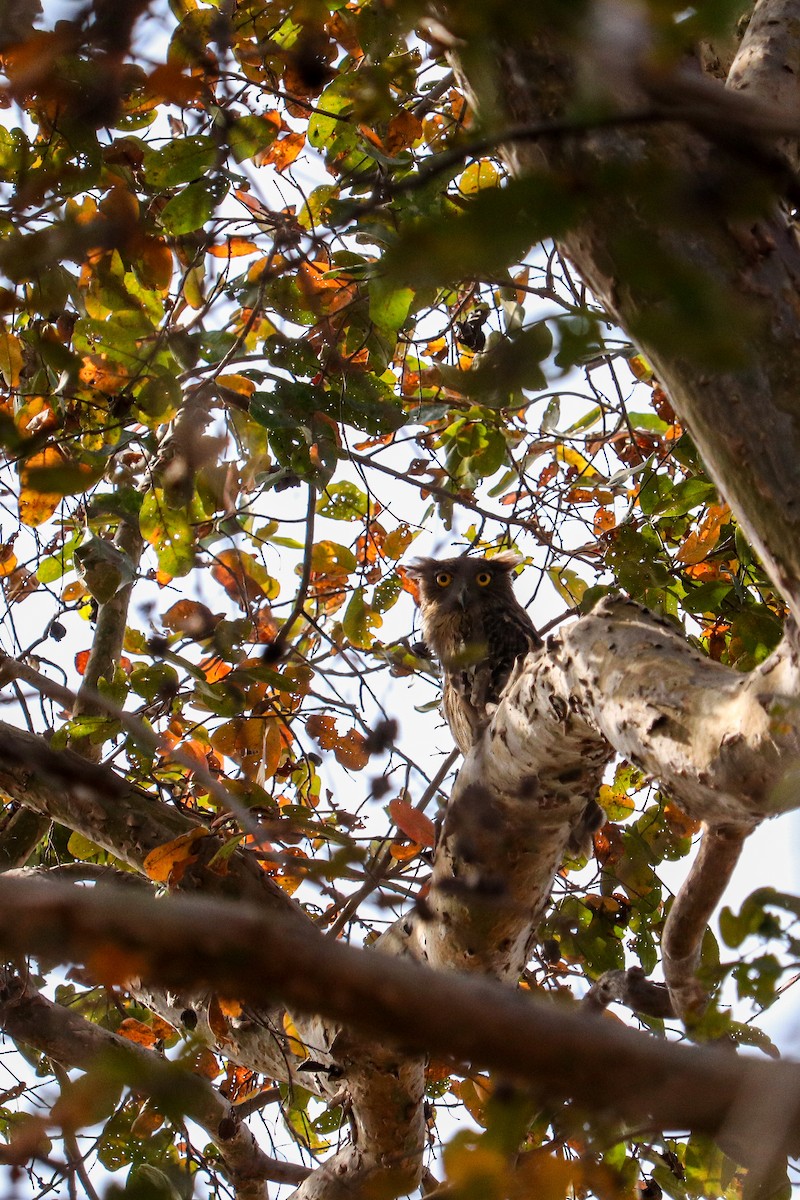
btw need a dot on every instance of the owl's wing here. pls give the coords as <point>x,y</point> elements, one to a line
<point>463,717</point>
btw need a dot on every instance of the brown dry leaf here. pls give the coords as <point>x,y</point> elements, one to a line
<point>218,1023</point>
<point>147,1123</point>
<point>351,750</point>
<point>403,131</point>
<point>323,730</point>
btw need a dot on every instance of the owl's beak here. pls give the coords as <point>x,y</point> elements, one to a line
<point>461,597</point>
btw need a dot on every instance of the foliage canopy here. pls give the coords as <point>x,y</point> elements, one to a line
<point>273,318</point>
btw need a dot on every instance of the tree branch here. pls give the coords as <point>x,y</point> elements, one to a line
<point>699,894</point>
<point>244,952</point>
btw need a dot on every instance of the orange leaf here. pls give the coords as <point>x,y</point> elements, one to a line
<point>218,1023</point>
<point>167,82</point>
<point>81,661</point>
<point>36,507</point>
<point>234,247</point>
<point>699,544</point>
<point>404,853</point>
<point>283,151</point>
<point>604,520</point>
<point>138,1032</point>
<point>8,559</point>
<point>157,263</point>
<point>413,823</point>
<point>167,863</point>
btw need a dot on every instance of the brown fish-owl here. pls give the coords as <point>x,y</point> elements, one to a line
<point>474,624</point>
<point>476,627</point>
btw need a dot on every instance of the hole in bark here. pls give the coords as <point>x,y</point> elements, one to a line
<point>528,787</point>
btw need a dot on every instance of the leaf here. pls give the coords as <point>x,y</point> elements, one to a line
<point>243,578</point>
<point>193,206</point>
<point>359,621</point>
<point>137,1032</point>
<point>10,358</point>
<point>283,152</point>
<point>169,532</point>
<point>343,502</point>
<point>699,544</point>
<point>478,175</point>
<point>248,136</point>
<point>179,161</point>
<point>350,750</point>
<point>413,823</point>
<point>168,863</point>
<point>36,507</point>
<point>404,129</point>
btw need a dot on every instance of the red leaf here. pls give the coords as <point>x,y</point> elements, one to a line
<point>413,823</point>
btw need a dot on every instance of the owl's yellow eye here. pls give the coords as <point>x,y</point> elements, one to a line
<point>444,579</point>
<point>483,578</point>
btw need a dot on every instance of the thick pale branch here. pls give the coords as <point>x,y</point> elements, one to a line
<point>767,64</point>
<point>724,744</point>
<point>556,1052</point>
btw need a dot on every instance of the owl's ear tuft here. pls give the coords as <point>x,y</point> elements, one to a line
<point>508,559</point>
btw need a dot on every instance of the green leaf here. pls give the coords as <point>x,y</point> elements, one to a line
<point>170,533</point>
<point>359,619</point>
<point>179,161</point>
<point>389,305</point>
<point>684,497</point>
<point>248,136</point>
<point>343,502</point>
<point>192,207</point>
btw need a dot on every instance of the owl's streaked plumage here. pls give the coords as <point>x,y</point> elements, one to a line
<point>478,630</point>
<point>474,624</point>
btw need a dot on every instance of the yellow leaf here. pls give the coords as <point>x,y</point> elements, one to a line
<point>10,358</point>
<point>167,863</point>
<point>295,1045</point>
<point>477,176</point>
<point>237,383</point>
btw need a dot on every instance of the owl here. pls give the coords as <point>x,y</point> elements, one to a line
<point>478,630</point>
<point>474,624</point>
